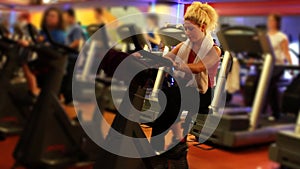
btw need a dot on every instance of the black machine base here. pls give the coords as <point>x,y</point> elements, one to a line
<point>286,150</point>
<point>55,143</point>
<point>233,131</point>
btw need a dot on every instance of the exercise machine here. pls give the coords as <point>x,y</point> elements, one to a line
<point>132,43</point>
<point>240,129</point>
<point>15,99</point>
<point>129,128</point>
<point>138,98</point>
<point>171,35</point>
<point>50,139</point>
<point>286,148</point>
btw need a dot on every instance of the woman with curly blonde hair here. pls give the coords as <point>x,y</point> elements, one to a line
<point>197,57</point>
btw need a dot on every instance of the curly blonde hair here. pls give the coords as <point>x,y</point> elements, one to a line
<point>202,13</point>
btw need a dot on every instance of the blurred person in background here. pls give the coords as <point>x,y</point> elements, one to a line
<point>99,16</point>
<point>23,23</point>
<point>152,29</point>
<point>280,44</point>
<point>53,21</point>
<point>74,32</point>
<point>74,37</point>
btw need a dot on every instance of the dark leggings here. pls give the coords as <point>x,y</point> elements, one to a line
<point>66,88</point>
<point>273,94</point>
<point>169,116</point>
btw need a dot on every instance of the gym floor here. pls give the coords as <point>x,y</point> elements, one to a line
<point>250,158</point>
<point>255,157</point>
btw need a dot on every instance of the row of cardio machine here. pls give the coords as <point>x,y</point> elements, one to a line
<point>63,142</point>
<point>13,111</point>
<point>46,132</point>
<point>48,138</point>
<point>238,129</point>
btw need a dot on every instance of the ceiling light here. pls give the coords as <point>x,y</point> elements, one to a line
<point>46,1</point>
<point>49,1</point>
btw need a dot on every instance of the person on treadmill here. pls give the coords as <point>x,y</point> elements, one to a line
<point>152,28</point>
<point>199,55</point>
<point>74,32</point>
<point>99,16</point>
<point>280,44</point>
<point>22,24</point>
<point>53,21</point>
<point>74,35</point>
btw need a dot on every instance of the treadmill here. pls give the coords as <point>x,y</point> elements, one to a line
<point>171,35</point>
<point>132,43</point>
<point>286,149</point>
<point>239,129</point>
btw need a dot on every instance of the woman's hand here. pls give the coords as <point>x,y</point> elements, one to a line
<point>250,62</point>
<point>41,38</point>
<point>136,55</point>
<point>24,43</point>
<point>185,69</point>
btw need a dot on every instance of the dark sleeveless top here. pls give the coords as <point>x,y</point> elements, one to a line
<point>192,57</point>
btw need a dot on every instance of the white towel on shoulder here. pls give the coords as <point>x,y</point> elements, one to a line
<point>233,78</point>
<point>206,54</point>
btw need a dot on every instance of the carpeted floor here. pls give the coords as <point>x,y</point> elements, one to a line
<point>249,158</point>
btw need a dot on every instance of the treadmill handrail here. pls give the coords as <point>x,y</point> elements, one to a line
<point>32,34</point>
<point>168,38</point>
<point>259,40</point>
<point>297,127</point>
<point>283,66</point>
<point>249,40</point>
<point>134,35</point>
<point>161,60</point>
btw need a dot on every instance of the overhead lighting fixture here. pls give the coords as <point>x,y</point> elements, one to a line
<point>46,1</point>
<point>49,1</point>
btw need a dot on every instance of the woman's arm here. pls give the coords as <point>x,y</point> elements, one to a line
<point>194,67</point>
<point>31,80</point>
<point>285,47</point>
<point>41,38</point>
<point>199,67</point>
<point>75,44</point>
<point>77,35</point>
<point>171,55</point>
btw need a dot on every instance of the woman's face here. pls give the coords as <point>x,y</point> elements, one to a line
<point>194,32</point>
<point>52,19</point>
<point>272,24</point>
